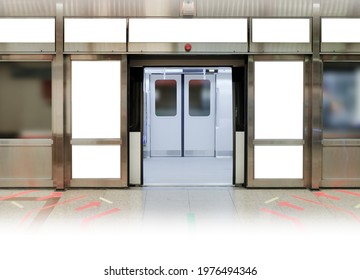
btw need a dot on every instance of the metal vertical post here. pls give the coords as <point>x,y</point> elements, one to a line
<point>58,100</point>
<point>307,120</point>
<point>250,121</point>
<point>316,148</point>
<point>124,122</point>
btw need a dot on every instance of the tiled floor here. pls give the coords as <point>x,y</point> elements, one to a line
<point>183,207</point>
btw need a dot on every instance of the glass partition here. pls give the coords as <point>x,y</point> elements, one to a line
<point>341,100</point>
<point>25,100</point>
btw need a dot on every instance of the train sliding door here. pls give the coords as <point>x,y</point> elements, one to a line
<point>182,117</point>
<point>166,115</point>
<point>199,115</point>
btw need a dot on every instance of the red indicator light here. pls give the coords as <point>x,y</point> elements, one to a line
<point>187,47</point>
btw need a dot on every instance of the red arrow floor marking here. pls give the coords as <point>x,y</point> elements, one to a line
<point>17,194</point>
<point>62,203</point>
<point>287,204</point>
<point>329,206</point>
<point>53,195</point>
<point>295,220</point>
<point>349,192</point>
<point>318,194</point>
<point>29,213</point>
<point>89,205</point>
<point>86,221</point>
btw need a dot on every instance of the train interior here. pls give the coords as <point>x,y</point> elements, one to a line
<point>188,126</point>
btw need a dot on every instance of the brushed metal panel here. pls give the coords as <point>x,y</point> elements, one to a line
<point>86,57</point>
<point>26,57</point>
<point>124,122</point>
<point>94,47</point>
<point>97,183</point>
<point>215,8</point>
<point>316,100</point>
<point>341,162</point>
<point>193,61</point>
<point>341,142</point>
<point>281,48</point>
<point>27,47</point>
<point>165,8</point>
<point>336,8</point>
<point>90,7</point>
<point>20,8</point>
<point>250,120</point>
<point>240,158</point>
<point>179,48</point>
<point>122,8</point>
<point>340,58</point>
<point>170,8</point>
<point>26,183</point>
<point>288,7</point>
<point>58,100</point>
<point>135,158</point>
<point>26,142</point>
<point>96,142</point>
<point>67,122</point>
<point>26,162</point>
<point>232,8</point>
<point>340,183</point>
<point>279,57</point>
<point>340,47</point>
<point>278,142</point>
<point>278,183</point>
<point>307,121</point>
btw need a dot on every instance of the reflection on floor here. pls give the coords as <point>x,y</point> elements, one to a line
<point>182,207</point>
<point>188,171</point>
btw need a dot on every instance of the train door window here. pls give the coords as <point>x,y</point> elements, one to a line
<point>165,98</point>
<point>199,98</point>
